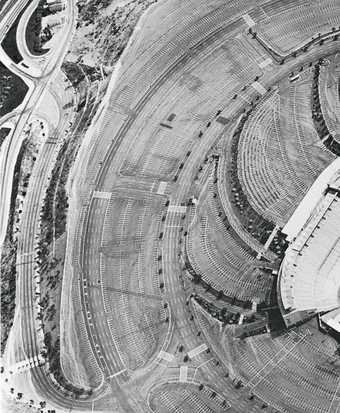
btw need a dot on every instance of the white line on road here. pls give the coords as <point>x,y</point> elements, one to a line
<point>101,195</point>
<point>265,63</point>
<point>166,356</point>
<point>250,22</point>
<point>26,364</point>
<point>161,188</point>
<point>271,237</point>
<point>257,86</point>
<point>180,209</point>
<point>198,350</point>
<point>183,374</point>
<point>242,97</point>
<point>117,374</point>
<point>201,365</point>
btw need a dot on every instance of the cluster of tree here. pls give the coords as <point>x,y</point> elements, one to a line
<point>53,213</point>
<point>53,355</point>
<point>76,73</point>
<point>8,278</point>
<point>8,260</point>
<point>224,314</point>
<point>89,10</point>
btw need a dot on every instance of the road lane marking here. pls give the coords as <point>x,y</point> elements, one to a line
<point>250,22</point>
<point>198,350</point>
<point>27,254</point>
<point>101,195</point>
<point>257,86</point>
<point>166,356</point>
<point>161,188</point>
<point>183,374</point>
<point>180,209</point>
<point>117,374</point>
<point>27,364</point>
<point>265,63</point>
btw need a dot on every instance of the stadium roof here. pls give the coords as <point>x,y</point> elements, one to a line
<point>305,208</point>
<point>332,319</point>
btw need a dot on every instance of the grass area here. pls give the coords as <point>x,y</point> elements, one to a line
<point>9,43</point>
<point>2,3</point>
<point>3,133</point>
<point>33,31</point>
<point>12,90</point>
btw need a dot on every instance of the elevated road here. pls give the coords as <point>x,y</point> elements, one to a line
<point>9,152</point>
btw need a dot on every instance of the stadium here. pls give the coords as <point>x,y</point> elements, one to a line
<point>309,274</point>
